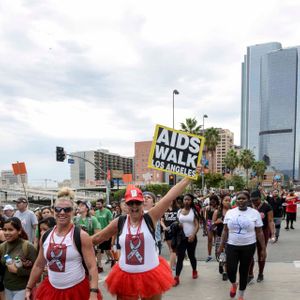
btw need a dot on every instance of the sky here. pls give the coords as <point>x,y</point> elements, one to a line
<point>97,74</point>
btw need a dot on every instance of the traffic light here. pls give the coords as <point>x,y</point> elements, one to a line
<point>112,183</point>
<point>60,154</point>
<point>172,179</point>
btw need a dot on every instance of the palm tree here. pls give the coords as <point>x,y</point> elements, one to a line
<point>231,160</point>
<point>212,139</point>
<point>259,167</point>
<point>246,160</point>
<point>190,126</point>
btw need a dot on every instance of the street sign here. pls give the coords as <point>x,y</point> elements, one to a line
<point>71,161</point>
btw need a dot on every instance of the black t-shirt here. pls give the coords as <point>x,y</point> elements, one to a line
<point>263,210</point>
<point>170,216</point>
<point>276,204</point>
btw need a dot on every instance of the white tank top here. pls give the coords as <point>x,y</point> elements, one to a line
<point>188,222</point>
<point>139,253</point>
<point>64,262</point>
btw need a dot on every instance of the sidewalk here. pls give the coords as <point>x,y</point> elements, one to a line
<point>282,282</point>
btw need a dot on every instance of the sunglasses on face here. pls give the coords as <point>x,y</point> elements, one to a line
<point>65,209</point>
<point>131,203</point>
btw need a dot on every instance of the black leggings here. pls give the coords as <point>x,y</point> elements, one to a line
<point>242,255</point>
<point>190,247</point>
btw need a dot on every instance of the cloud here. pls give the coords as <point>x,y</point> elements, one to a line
<point>101,74</point>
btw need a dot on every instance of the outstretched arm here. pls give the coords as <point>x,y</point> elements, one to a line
<point>106,233</point>
<point>158,210</point>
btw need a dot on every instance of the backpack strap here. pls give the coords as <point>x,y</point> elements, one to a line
<point>121,222</point>
<point>45,235</point>
<point>150,224</point>
<point>77,241</point>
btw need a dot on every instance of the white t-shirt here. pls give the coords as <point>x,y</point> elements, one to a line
<point>187,221</point>
<point>241,226</point>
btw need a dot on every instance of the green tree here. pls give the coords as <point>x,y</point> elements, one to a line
<point>190,126</point>
<point>161,189</point>
<point>231,160</point>
<point>212,138</point>
<point>215,180</point>
<point>246,160</point>
<point>259,167</point>
<point>237,181</point>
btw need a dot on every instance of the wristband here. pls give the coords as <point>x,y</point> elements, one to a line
<point>94,290</point>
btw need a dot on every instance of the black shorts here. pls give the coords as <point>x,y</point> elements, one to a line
<point>168,235</point>
<point>105,245</point>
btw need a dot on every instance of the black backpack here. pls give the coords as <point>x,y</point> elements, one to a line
<point>121,222</point>
<point>77,241</point>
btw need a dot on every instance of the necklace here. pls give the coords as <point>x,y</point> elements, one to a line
<point>56,245</point>
<point>138,229</point>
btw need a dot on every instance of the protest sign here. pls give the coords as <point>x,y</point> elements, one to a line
<point>175,151</point>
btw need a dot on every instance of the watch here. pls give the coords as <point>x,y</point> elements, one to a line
<point>94,290</point>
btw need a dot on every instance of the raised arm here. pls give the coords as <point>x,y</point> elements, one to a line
<point>158,210</point>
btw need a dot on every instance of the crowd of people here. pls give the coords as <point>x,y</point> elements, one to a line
<point>58,252</point>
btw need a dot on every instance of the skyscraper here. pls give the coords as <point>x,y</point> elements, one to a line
<point>251,83</point>
<point>270,121</point>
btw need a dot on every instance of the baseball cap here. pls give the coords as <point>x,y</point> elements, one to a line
<point>133,193</point>
<point>8,207</point>
<point>21,199</point>
<point>87,203</point>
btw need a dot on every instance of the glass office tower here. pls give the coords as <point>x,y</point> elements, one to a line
<point>279,112</point>
<point>250,109</point>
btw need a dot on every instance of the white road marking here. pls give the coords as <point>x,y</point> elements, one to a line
<point>297,263</point>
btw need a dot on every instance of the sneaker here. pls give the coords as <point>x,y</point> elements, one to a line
<point>195,274</point>
<point>232,292</point>
<point>224,276</point>
<point>209,258</point>
<point>100,269</point>
<point>292,227</point>
<point>176,281</point>
<point>250,279</point>
<point>286,228</point>
<point>260,277</point>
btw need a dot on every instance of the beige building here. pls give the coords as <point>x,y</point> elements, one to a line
<point>84,174</point>
<point>225,144</point>
<point>9,178</point>
<point>144,175</point>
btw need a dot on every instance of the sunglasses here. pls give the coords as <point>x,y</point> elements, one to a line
<point>131,203</point>
<point>65,209</point>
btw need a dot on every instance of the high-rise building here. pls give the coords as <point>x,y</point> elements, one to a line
<point>84,174</point>
<point>251,83</point>
<point>143,174</point>
<point>9,178</point>
<point>225,144</point>
<point>272,131</point>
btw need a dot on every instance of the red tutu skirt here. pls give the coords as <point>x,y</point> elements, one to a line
<point>80,291</point>
<point>144,285</point>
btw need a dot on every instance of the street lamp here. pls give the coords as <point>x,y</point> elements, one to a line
<point>203,131</point>
<point>175,92</point>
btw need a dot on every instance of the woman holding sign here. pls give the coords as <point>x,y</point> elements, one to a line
<point>140,272</point>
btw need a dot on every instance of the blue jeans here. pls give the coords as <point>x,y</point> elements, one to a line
<point>14,295</point>
<point>277,222</point>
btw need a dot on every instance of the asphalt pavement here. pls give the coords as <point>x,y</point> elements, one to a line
<point>282,273</point>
